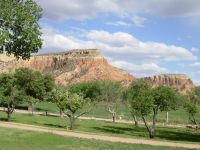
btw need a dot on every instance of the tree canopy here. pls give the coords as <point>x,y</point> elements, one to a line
<point>10,96</point>
<point>144,101</point>
<point>70,103</point>
<point>34,84</point>
<point>19,29</point>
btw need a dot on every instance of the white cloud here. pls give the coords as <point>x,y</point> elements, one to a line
<point>196,64</point>
<point>56,42</point>
<point>118,44</point>
<point>194,49</point>
<point>76,9</point>
<point>138,21</point>
<point>118,23</point>
<point>85,9</point>
<point>124,44</point>
<point>140,70</point>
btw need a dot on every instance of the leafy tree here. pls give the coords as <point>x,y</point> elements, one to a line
<point>35,85</point>
<point>70,104</point>
<point>192,101</point>
<point>145,101</point>
<point>19,29</point>
<point>128,99</point>
<point>9,95</point>
<point>89,89</point>
<point>111,94</point>
<point>140,99</point>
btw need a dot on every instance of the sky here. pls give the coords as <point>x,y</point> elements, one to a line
<point>142,37</point>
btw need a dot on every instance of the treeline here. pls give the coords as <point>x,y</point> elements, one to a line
<point>143,101</point>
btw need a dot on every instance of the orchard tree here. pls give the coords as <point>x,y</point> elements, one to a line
<point>70,103</point>
<point>19,29</point>
<point>111,94</point>
<point>192,102</point>
<point>35,85</point>
<point>145,101</point>
<point>140,99</point>
<point>9,95</point>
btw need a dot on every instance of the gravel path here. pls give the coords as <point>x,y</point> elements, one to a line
<point>96,137</point>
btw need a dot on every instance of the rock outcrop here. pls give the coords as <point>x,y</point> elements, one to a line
<point>180,82</point>
<point>70,67</point>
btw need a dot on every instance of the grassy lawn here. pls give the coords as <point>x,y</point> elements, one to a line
<point>12,139</point>
<point>109,128</point>
<point>178,116</point>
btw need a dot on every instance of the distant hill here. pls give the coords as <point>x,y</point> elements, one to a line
<point>180,82</point>
<point>70,67</point>
<point>88,64</point>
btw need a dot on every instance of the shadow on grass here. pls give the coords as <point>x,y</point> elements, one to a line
<point>21,107</point>
<point>161,133</point>
<point>3,119</point>
<point>55,125</point>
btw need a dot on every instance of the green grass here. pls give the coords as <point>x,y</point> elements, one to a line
<point>109,128</point>
<point>178,116</point>
<point>12,139</point>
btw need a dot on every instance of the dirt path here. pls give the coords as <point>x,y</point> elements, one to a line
<point>95,136</point>
<point>101,119</point>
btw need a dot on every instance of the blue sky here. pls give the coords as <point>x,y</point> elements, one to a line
<point>143,37</point>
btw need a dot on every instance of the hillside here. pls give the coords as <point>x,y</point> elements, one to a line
<point>88,64</point>
<point>180,82</point>
<point>70,67</point>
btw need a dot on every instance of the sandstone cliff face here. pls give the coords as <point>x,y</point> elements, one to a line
<point>70,67</point>
<point>180,82</point>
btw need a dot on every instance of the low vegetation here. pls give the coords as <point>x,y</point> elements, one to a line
<point>15,139</point>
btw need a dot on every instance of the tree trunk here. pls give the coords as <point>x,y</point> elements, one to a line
<point>8,116</point>
<point>61,113</point>
<point>152,133</point>
<point>193,119</point>
<point>72,119</point>
<point>167,117</point>
<point>135,120</point>
<point>153,128</point>
<point>30,108</point>
<point>8,113</point>
<point>114,117</point>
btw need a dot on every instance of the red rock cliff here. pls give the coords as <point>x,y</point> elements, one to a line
<point>70,67</point>
<point>180,82</point>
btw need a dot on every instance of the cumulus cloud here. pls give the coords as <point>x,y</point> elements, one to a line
<point>140,70</point>
<point>124,44</point>
<point>85,9</point>
<point>196,64</point>
<point>118,44</point>
<point>76,9</point>
<point>138,21</point>
<point>118,23</point>
<point>194,49</point>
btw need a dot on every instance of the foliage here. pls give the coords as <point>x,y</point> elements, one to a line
<point>19,29</point>
<point>145,101</point>
<point>90,89</point>
<point>70,103</point>
<point>34,84</point>
<point>192,100</point>
<point>140,98</point>
<point>9,95</point>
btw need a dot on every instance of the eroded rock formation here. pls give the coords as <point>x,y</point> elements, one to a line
<point>70,67</point>
<point>180,82</point>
